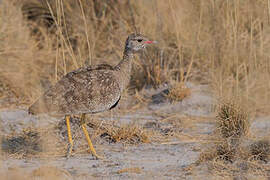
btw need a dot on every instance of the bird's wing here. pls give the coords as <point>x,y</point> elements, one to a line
<point>80,91</point>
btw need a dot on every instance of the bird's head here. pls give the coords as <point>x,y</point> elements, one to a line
<point>136,42</point>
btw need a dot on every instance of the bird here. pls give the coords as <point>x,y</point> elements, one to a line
<point>90,89</point>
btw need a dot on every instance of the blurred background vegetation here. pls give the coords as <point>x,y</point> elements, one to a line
<point>225,44</point>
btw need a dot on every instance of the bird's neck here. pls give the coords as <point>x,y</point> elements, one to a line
<point>123,68</point>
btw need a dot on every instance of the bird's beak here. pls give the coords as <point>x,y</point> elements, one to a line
<point>150,42</point>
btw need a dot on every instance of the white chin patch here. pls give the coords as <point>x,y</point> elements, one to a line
<point>137,49</point>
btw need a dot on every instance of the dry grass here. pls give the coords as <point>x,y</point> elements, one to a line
<point>224,44</point>
<point>130,133</point>
<point>178,92</point>
<point>260,150</point>
<point>232,120</point>
<point>28,143</point>
<point>230,161</point>
<point>228,155</point>
<point>136,170</point>
<point>232,127</point>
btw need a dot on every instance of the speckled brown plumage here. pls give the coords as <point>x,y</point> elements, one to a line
<point>82,91</point>
<point>90,89</point>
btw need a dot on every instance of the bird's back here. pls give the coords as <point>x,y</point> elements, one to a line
<point>86,90</point>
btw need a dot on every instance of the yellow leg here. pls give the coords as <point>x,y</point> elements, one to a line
<point>92,149</point>
<point>70,145</point>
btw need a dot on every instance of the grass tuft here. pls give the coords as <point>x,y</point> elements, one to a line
<point>220,151</point>
<point>179,92</point>
<point>128,134</point>
<point>260,150</point>
<point>225,152</point>
<point>232,126</point>
<point>232,121</point>
<point>24,144</point>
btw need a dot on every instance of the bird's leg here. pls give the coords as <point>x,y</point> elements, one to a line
<point>70,144</point>
<point>92,149</point>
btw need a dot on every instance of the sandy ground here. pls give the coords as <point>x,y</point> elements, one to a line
<point>169,159</point>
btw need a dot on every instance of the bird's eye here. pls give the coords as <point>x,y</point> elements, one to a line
<point>139,40</point>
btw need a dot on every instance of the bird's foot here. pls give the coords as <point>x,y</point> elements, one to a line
<point>97,156</point>
<point>69,150</point>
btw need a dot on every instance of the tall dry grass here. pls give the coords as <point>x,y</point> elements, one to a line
<point>223,43</point>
